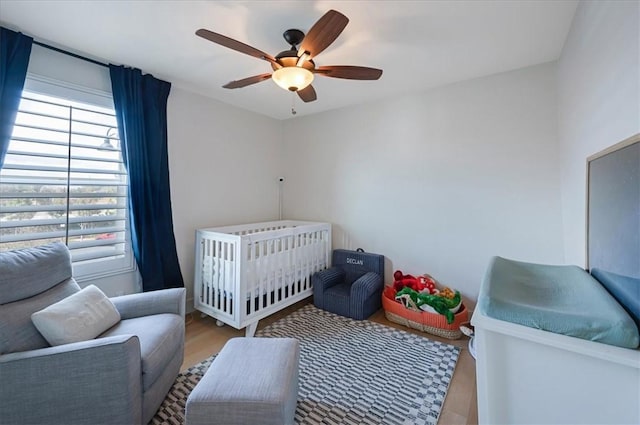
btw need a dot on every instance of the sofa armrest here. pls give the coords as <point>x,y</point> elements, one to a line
<point>148,303</point>
<point>366,285</point>
<point>327,278</point>
<point>323,280</point>
<point>366,296</point>
<point>95,381</point>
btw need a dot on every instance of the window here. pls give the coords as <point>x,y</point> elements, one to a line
<point>64,180</point>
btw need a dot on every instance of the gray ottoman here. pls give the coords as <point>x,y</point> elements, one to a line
<point>251,381</point>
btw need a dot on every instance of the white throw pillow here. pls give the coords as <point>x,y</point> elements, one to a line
<point>79,317</point>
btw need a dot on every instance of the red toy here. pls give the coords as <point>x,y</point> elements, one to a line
<point>424,283</point>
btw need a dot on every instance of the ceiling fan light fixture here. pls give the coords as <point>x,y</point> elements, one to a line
<point>292,78</point>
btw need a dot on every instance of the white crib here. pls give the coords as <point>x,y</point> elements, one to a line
<point>246,272</point>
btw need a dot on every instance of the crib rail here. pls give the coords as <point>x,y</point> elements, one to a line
<point>247,272</point>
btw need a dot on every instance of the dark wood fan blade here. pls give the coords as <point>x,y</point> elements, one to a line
<point>349,72</point>
<point>234,45</point>
<point>307,94</point>
<point>246,81</point>
<point>323,33</point>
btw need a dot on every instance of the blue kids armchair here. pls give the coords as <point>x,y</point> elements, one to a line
<point>352,287</point>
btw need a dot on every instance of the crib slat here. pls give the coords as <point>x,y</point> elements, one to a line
<point>208,290</point>
<point>256,276</point>
<point>296,257</point>
<point>226,281</point>
<point>216,255</point>
<point>307,269</point>
<point>264,293</point>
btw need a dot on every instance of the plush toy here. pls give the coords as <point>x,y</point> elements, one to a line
<point>424,283</point>
<point>439,303</point>
<point>429,283</point>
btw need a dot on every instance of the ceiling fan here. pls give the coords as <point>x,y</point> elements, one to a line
<point>294,69</point>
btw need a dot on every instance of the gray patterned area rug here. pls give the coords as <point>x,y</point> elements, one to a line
<point>351,372</point>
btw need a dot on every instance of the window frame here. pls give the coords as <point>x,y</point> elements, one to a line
<point>102,267</point>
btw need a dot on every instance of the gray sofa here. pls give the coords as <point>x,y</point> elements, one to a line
<point>120,377</point>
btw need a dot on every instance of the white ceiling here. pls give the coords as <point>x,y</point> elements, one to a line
<point>418,44</point>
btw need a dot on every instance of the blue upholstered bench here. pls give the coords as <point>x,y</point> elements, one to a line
<point>251,381</point>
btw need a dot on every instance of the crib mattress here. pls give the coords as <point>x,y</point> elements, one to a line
<point>560,299</point>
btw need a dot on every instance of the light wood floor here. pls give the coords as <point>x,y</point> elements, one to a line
<point>204,338</point>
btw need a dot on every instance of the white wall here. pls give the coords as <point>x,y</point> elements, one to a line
<point>224,163</point>
<point>76,72</point>
<point>438,181</point>
<point>598,101</point>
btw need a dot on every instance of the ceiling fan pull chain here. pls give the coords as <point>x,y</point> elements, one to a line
<point>293,101</point>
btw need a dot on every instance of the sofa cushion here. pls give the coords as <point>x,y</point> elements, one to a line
<point>625,289</point>
<point>79,317</point>
<point>561,299</point>
<point>161,335</point>
<point>337,299</point>
<point>17,331</point>
<point>31,271</point>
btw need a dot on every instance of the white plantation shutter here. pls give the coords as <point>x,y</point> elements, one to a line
<point>62,181</point>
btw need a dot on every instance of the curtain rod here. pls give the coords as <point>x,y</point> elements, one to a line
<point>65,52</point>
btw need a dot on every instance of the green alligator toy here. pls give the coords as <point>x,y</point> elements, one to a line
<point>440,304</point>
